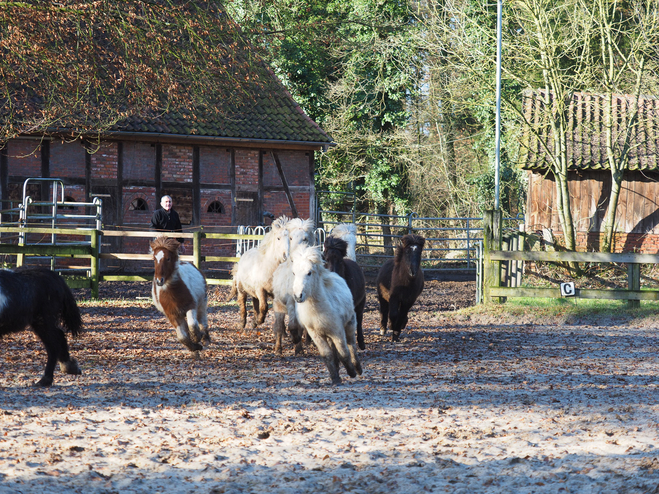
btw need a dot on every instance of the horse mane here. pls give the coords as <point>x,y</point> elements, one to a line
<point>343,229</point>
<point>269,238</point>
<point>312,254</point>
<point>300,224</point>
<point>336,244</point>
<point>406,242</point>
<point>162,242</point>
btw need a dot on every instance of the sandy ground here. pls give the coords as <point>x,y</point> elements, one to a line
<point>459,405</point>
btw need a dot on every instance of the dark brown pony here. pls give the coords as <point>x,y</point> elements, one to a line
<point>179,292</point>
<point>399,283</point>
<point>335,251</point>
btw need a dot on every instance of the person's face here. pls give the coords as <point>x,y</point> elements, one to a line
<point>166,203</point>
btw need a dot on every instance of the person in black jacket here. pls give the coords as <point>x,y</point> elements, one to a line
<point>166,219</point>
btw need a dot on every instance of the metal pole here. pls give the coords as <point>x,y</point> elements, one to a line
<point>497,162</point>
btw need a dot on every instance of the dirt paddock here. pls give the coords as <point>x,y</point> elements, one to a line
<point>460,405</point>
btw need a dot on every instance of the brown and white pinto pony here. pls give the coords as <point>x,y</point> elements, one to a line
<point>179,292</point>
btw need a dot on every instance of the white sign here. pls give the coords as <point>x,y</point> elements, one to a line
<point>568,290</point>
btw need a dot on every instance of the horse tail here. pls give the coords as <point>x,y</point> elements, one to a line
<point>70,311</point>
<point>233,292</point>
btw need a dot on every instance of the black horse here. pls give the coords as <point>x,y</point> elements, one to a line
<point>40,298</point>
<point>399,283</point>
<point>335,250</point>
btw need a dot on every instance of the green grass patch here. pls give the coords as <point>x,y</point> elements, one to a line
<point>561,311</point>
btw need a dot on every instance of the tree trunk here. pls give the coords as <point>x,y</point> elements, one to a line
<point>610,218</point>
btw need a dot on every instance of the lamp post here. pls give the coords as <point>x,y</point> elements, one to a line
<point>497,135</point>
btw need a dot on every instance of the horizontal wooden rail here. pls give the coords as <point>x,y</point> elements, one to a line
<point>587,293</point>
<point>506,255</point>
<point>80,251</point>
<point>89,250</point>
<point>50,231</point>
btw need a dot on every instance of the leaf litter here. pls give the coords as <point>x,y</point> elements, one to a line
<point>457,406</point>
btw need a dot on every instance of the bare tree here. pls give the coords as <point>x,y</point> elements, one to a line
<point>627,35</point>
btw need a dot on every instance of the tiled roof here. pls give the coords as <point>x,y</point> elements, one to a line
<point>586,142</point>
<point>247,100</point>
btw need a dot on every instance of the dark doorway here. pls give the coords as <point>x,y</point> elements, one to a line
<point>248,209</point>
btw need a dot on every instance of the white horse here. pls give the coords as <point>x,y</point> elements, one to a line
<point>324,306</point>
<point>300,234</point>
<point>252,274</point>
<point>347,232</point>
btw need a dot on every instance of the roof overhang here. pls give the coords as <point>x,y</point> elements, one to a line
<point>199,140</point>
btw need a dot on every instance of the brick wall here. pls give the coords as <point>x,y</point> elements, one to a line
<point>214,165</point>
<point>294,164</point>
<point>139,161</point>
<point>247,170</point>
<point>104,161</point>
<point>176,163</point>
<point>24,158</point>
<point>67,159</point>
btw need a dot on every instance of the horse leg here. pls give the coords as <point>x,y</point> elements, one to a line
<point>184,337</point>
<point>193,326</point>
<point>401,321</point>
<point>384,315</point>
<point>279,328</point>
<point>242,308</point>
<point>261,309</point>
<point>57,349</point>
<point>328,354</point>
<point>202,317</point>
<point>351,345</point>
<point>256,309</point>
<point>359,312</point>
<point>296,330</point>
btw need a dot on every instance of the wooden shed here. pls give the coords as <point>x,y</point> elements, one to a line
<point>226,156</point>
<point>637,218</point>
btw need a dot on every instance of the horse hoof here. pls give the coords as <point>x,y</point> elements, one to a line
<point>44,382</point>
<point>193,347</point>
<point>336,381</point>
<point>383,331</point>
<point>70,367</point>
<point>395,337</point>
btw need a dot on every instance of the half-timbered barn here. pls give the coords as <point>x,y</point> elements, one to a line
<point>637,218</point>
<point>246,150</point>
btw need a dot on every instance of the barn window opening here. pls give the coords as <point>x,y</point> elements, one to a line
<point>69,199</point>
<point>216,207</point>
<point>138,204</point>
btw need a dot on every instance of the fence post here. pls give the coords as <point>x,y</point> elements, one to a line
<point>196,248</point>
<point>633,282</point>
<point>491,241</point>
<point>95,262</point>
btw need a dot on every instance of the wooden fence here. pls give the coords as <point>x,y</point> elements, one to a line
<point>495,260</point>
<point>90,249</point>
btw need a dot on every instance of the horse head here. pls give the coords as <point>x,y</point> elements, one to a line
<point>300,233</point>
<point>305,267</point>
<point>335,249</point>
<point>165,258</point>
<point>409,253</point>
<point>275,244</point>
